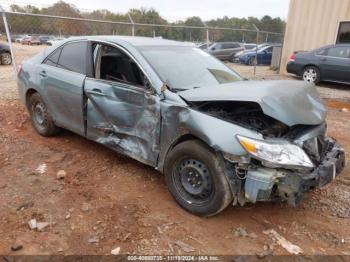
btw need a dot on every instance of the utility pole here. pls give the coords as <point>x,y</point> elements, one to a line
<point>207,29</point>
<point>12,51</point>
<point>133,25</point>
<point>256,48</point>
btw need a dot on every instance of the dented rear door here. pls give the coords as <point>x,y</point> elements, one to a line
<point>123,117</point>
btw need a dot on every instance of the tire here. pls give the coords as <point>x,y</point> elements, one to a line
<point>311,74</point>
<point>6,58</point>
<point>196,178</point>
<point>41,119</point>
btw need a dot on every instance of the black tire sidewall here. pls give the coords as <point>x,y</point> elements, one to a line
<point>49,129</point>
<point>222,195</point>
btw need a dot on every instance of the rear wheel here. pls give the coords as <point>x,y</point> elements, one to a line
<point>6,58</point>
<point>40,116</point>
<point>195,177</point>
<point>311,74</point>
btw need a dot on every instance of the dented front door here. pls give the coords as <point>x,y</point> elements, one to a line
<point>123,117</point>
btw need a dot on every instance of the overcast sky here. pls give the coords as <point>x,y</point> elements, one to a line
<point>173,10</point>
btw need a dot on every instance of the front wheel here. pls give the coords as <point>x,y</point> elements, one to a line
<point>196,178</point>
<point>311,74</point>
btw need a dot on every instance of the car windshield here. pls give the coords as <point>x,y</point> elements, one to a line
<point>185,68</point>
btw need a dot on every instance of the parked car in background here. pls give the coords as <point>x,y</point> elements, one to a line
<point>264,56</point>
<point>54,40</point>
<point>329,63</point>
<point>5,55</point>
<point>31,40</point>
<point>225,50</point>
<point>204,46</point>
<point>217,138</point>
<point>13,38</point>
<point>44,39</point>
<point>249,46</point>
<point>18,38</point>
<point>237,55</point>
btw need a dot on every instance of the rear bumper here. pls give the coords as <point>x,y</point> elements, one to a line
<point>294,68</point>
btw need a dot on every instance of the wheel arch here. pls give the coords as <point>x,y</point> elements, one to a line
<point>309,65</point>
<point>312,65</point>
<point>179,140</point>
<point>28,94</point>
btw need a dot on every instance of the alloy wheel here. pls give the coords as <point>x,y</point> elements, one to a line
<point>310,75</point>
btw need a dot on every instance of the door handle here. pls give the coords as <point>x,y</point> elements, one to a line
<point>43,73</point>
<point>324,59</point>
<point>96,91</point>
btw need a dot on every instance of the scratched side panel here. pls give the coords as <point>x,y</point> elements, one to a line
<point>124,119</point>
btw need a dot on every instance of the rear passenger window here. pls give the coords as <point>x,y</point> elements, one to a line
<point>228,46</point>
<point>52,59</point>
<point>322,51</point>
<point>340,51</point>
<point>73,57</point>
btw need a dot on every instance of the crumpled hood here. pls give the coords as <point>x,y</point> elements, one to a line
<point>288,101</point>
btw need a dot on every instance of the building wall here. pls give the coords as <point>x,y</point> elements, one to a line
<point>312,24</point>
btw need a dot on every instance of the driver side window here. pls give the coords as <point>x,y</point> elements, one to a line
<point>112,64</point>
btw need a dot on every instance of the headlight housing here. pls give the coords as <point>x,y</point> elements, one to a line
<point>279,153</point>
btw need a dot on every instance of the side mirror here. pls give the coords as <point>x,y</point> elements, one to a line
<point>212,49</point>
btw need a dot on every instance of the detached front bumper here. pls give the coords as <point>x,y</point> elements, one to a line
<point>264,184</point>
<point>293,186</point>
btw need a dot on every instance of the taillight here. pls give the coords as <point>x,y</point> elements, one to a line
<point>292,58</point>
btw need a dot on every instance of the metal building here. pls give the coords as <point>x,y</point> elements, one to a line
<point>315,23</point>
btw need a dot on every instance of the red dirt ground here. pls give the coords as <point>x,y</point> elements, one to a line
<point>126,204</point>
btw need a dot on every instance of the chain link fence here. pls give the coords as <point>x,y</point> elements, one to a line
<point>50,28</point>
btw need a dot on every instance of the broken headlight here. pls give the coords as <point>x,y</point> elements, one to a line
<point>276,152</point>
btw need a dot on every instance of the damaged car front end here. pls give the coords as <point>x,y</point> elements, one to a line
<point>216,137</point>
<point>292,156</point>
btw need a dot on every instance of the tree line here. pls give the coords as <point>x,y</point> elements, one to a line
<point>65,27</point>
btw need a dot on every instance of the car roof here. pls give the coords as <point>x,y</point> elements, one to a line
<point>342,44</point>
<point>328,46</point>
<point>228,42</point>
<point>133,40</point>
